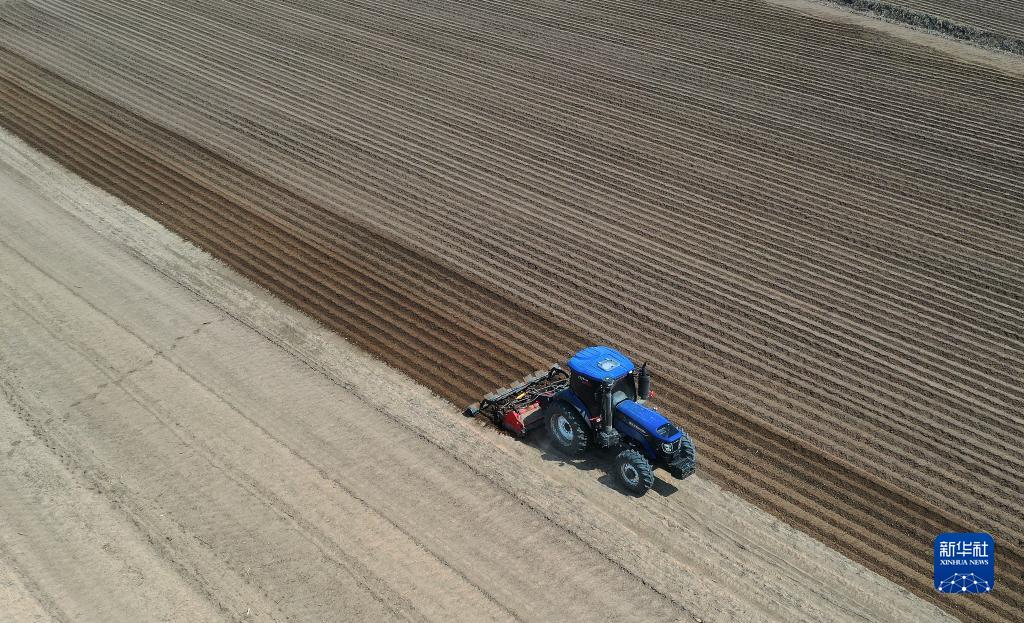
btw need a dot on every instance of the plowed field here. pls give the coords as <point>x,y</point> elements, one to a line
<point>813,231</point>
<point>204,453</point>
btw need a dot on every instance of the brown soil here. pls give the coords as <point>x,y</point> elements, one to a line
<point>812,230</point>
<point>176,444</point>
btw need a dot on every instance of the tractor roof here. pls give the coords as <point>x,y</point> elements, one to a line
<point>601,363</point>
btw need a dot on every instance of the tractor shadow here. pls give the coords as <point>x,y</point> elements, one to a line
<point>597,461</point>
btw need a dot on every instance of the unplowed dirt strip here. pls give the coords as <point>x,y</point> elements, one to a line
<point>812,230</point>
<point>179,445</point>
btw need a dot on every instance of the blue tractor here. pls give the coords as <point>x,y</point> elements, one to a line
<point>599,403</point>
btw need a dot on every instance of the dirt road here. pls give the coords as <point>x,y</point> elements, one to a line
<point>829,279</point>
<point>179,446</point>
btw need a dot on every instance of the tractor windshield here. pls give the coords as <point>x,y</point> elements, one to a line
<point>623,389</point>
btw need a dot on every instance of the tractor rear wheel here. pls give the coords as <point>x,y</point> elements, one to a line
<point>634,471</point>
<point>567,429</point>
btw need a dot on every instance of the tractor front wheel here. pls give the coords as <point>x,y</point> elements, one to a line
<point>634,471</point>
<point>688,457</point>
<point>567,429</point>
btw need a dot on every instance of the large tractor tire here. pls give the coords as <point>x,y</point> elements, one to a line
<point>567,429</point>
<point>689,455</point>
<point>634,471</point>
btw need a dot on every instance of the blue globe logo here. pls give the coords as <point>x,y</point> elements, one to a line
<point>964,583</point>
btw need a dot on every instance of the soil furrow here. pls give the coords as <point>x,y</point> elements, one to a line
<point>829,274</point>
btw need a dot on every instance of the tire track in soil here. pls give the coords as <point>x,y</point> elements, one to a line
<point>807,484</point>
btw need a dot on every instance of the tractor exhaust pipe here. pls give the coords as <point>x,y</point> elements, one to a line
<point>643,388</point>
<point>608,407</point>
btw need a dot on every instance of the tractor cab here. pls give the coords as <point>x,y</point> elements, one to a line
<point>594,370</point>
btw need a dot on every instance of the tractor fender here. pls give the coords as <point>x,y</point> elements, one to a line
<point>570,398</point>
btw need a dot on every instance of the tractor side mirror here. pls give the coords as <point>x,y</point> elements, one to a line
<point>643,384</point>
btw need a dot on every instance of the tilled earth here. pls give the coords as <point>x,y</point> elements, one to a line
<point>812,230</point>
<point>179,446</point>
